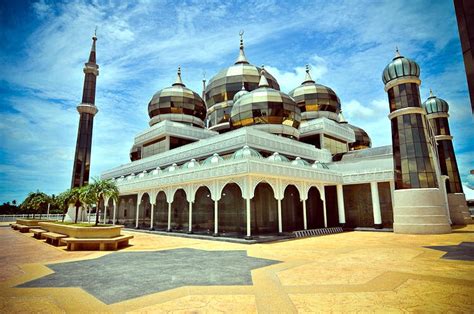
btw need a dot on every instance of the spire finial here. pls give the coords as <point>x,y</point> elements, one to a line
<point>397,52</point>
<point>431,93</point>
<point>308,78</point>
<point>178,78</point>
<point>263,80</point>
<point>241,58</point>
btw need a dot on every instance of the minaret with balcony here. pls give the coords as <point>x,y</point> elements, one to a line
<point>87,111</point>
<point>419,205</point>
<point>437,114</point>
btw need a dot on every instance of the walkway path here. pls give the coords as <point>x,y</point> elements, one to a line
<point>354,271</point>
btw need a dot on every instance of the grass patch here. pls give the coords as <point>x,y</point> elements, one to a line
<point>80,224</point>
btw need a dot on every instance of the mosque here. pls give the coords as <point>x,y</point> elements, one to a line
<point>244,159</point>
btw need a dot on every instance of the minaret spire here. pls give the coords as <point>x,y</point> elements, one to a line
<point>87,111</point>
<point>307,78</point>
<point>241,58</point>
<point>179,81</point>
<point>397,53</point>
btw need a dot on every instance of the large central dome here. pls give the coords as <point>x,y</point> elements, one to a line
<point>220,91</point>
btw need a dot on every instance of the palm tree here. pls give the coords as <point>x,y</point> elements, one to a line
<point>87,196</point>
<point>71,196</point>
<point>101,189</point>
<point>35,201</point>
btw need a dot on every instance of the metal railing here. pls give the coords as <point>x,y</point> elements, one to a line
<point>83,218</point>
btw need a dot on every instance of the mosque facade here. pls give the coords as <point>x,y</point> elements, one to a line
<point>247,160</point>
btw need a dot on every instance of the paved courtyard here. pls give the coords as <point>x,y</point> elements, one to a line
<point>353,271</point>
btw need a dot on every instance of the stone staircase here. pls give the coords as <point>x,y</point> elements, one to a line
<point>317,232</point>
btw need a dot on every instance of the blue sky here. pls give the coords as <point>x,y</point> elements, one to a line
<point>141,43</point>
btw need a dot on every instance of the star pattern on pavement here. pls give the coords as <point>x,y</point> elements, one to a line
<point>464,251</point>
<point>121,276</point>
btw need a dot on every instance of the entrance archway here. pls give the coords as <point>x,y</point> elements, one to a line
<point>160,220</point>
<point>203,211</point>
<point>292,210</point>
<point>264,210</point>
<point>232,214</point>
<point>180,211</point>
<point>314,209</point>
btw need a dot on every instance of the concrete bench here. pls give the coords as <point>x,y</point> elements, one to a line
<point>37,233</point>
<point>21,228</point>
<point>103,244</point>
<point>53,238</point>
<point>13,226</point>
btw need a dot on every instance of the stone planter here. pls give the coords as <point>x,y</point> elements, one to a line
<point>83,232</point>
<point>31,222</point>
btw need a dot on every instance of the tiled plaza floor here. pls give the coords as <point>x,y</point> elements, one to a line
<point>349,272</point>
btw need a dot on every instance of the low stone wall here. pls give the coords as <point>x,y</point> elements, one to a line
<point>83,232</point>
<point>31,222</point>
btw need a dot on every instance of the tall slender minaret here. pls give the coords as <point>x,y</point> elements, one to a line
<point>87,111</point>
<point>437,114</point>
<point>419,205</point>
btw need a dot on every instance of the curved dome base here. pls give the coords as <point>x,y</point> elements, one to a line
<point>308,115</point>
<point>279,129</point>
<point>177,117</point>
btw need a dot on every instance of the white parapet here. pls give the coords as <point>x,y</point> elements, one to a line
<point>458,209</point>
<point>420,211</point>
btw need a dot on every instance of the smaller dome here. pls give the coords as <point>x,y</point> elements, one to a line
<point>191,164</point>
<point>277,157</point>
<point>266,106</point>
<point>315,100</point>
<point>177,103</point>
<point>362,139</point>
<point>156,171</point>
<point>400,67</point>
<point>142,174</point>
<point>434,104</point>
<point>172,168</point>
<point>319,165</point>
<point>213,160</point>
<point>240,93</point>
<point>246,152</point>
<point>299,162</point>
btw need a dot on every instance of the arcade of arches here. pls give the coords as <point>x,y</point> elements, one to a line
<point>359,205</point>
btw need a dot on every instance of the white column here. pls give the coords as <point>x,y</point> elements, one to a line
<point>323,198</point>
<point>216,217</point>
<point>392,189</point>
<point>249,232</point>
<point>169,216</point>
<point>374,190</point>
<point>138,212</point>
<point>105,213</point>
<point>340,204</point>
<point>115,212</point>
<point>190,218</point>
<point>47,215</point>
<point>280,223</point>
<point>152,215</point>
<point>305,221</point>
